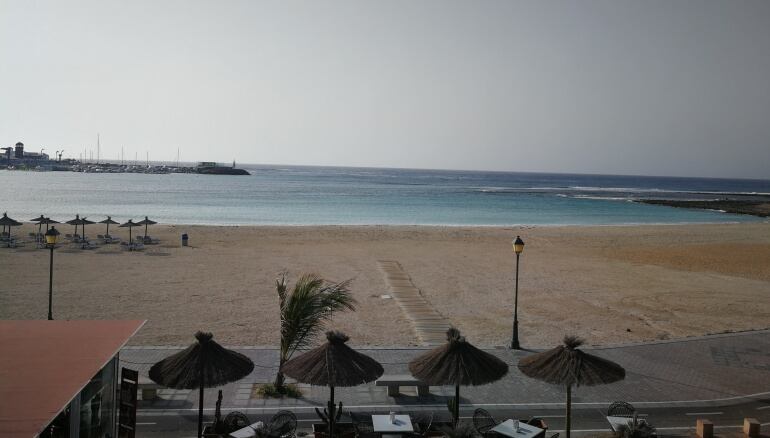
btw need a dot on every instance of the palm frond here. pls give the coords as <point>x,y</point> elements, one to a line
<point>308,307</point>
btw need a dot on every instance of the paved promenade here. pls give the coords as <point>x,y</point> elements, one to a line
<point>716,370</point>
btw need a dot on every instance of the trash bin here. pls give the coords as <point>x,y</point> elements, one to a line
<point>184,239</point>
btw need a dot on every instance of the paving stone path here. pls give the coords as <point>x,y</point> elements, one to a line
<point>429,325</point>
<point>715,370</point>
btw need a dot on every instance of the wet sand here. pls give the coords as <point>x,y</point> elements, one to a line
<point>606,284</point>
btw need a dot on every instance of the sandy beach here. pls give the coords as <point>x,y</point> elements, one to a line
<point>606,284</point>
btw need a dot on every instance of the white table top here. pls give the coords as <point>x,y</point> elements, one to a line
<point>525,430</point>
<point>616,422</point>
<point>381,423</point>
<point>246,432</point>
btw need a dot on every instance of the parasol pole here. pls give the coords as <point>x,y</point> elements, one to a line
<point>457,405</point>
<point>331,411</point>
<point>200,404</point>
<point>569,404</point>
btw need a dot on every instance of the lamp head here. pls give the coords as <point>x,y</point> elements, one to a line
<point>51,236</point>
<point>518,245</point>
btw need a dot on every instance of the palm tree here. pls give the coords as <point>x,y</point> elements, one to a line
<point>305,311</point>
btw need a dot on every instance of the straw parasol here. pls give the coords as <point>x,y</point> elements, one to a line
<point>109,222</point>
<point>83,223</point>
<point>5,221</point>
<point>457,363</point>
<point>130,225</point>
<point>48,221</point>
<point>40,220</point>
<point>333,364</point>
<point>204,364</point>
<point>77,221</point>
<point>146,222</point>
<point>566,365</point>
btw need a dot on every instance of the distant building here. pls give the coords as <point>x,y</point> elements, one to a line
<point>35,156</point>
<point>20,154</point>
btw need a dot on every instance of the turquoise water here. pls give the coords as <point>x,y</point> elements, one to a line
<point>289,195</point>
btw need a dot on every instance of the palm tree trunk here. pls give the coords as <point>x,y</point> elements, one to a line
<point>279,377</point>
<point>279,380</point>
<point>569,408</point>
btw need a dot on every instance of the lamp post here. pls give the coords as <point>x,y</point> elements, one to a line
<point>518,248</point>
<point>50,240</point>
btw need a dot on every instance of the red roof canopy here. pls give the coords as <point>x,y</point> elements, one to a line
<point>45,364</point>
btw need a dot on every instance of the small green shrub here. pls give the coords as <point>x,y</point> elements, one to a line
<point>463,430</point>
<point>268,390</point>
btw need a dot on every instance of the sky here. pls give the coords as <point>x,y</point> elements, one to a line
<point>654,87</point>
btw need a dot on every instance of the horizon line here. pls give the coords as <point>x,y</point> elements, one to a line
<point>766,179</point>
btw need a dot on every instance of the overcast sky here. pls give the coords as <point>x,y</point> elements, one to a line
<point>645,87</point>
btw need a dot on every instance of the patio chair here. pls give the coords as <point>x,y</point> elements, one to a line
<point>483,421</point>
<point>621,409</point>
<point>538,422</point>
<point>235,420</point>
<point>283,425</point>
<point>362,422</point>
<point>422,422</point>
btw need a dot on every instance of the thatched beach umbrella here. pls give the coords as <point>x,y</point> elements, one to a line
<point>48,221</point>
<point>77,221</point>
<point>5,221</point>
<point>146,222</point>
<point>109,222</point>
<point>83,223</point>
<point>566,365</point>
<point>333,364</point>
<point>130,224</point>
<point>39,221</point>
<point>457,363</point>
<point>204,364</point>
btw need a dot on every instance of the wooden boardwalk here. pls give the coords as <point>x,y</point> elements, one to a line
<point>429,325</point>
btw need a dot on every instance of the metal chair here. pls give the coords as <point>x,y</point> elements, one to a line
<point>362,422</point>
<point>283,424</point>
<point>235,420</point>
<point>620,409</point>
<point>483,421</point>
<point>422,422</point>
<point>538,422</point>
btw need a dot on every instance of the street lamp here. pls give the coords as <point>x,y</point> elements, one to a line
<point>50,240</point>
<point>518,248</point>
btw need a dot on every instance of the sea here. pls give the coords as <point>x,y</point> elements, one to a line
<point>304,195</point>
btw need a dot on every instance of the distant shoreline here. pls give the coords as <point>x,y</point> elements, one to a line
<point>754,207</point>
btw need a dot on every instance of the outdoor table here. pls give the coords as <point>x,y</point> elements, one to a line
<point>249,431</point>
<point>617,422</point>
<point>381,423</point>
<point>525,430</point>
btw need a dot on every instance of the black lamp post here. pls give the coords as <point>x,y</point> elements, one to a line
<point>518,248</point>
<point>50,239</point>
